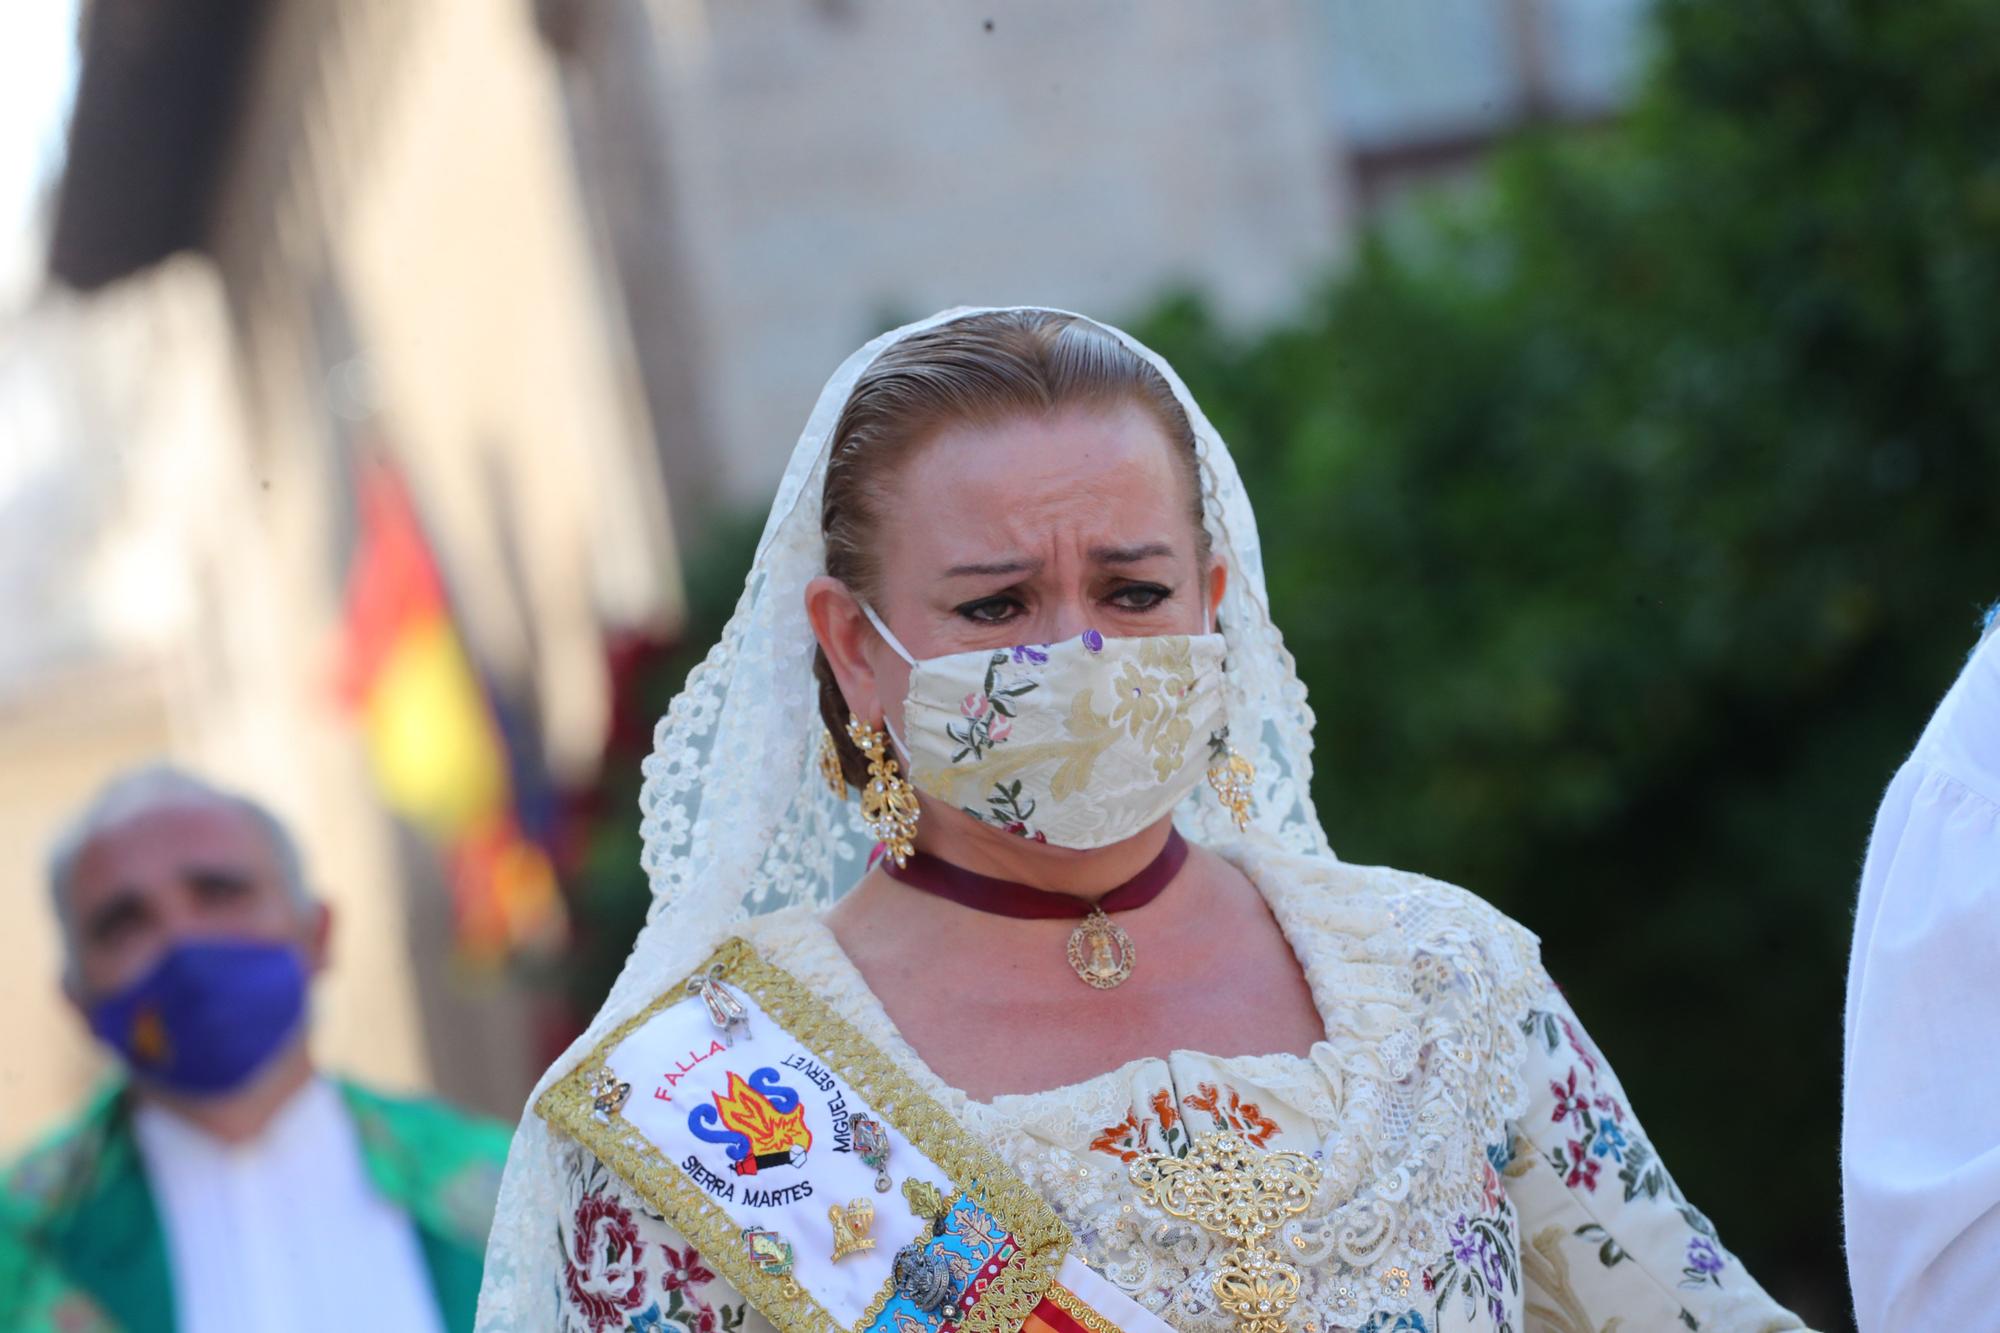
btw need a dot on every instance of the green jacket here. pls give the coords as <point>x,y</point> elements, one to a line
<point>81,1250</point>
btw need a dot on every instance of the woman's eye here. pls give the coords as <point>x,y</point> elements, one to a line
<point>1140,596</point>
<point>990,610</point>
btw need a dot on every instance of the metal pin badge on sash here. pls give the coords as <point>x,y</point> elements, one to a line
<point>725,1008</point>
<point>608,1094</point>
<point>922,1275</point>
<point>871,1144</point>
<point>851,1224</point>
<point>771,1253</point>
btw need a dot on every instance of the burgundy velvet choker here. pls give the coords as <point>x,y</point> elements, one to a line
<point>1099,949</point>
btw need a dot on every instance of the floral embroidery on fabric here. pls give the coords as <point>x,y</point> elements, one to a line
<point>682,1268</point>
<point>989,710</point>
<point>1007,810</point>
<point>1597,1116</point>
<point>1172,1133</point>
<point>1609,1252</point>
<point>1232,1112</point>
<point>613,1245</point>
<point>1133,1136</point>
<point>1410,1321</point>
<point>1481,1267</point>
<point>989,721</point>
<point>1704,1261</point>
<point>1149,701</point>
<point>653,1320</point>
<point>1605,1139</point>
<point>1582,1167</point>
<point>686,1314</point>
<point>601,1274</point>
<point>1138,700</point>
<point>1127,1140</point>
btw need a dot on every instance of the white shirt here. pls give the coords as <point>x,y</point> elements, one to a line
<point>285,1232</point>
<point>1920,1137</point>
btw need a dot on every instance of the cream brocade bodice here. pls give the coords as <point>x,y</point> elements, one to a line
<point>1481,1169</point>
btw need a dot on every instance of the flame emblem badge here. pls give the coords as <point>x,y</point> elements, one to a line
<point>760,1123</point>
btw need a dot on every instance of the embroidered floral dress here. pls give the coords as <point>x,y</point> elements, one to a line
<point>1482,1170</point>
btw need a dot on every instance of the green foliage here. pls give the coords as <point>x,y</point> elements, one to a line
<point>1626,519</point>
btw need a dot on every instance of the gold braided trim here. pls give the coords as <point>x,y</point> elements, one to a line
<point>1012,1296</point>
<point>1041,1235</point>
<point>1072,1305</point>
<point>876,1304</point>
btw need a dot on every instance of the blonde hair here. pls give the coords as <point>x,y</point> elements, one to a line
<point>983,369</point>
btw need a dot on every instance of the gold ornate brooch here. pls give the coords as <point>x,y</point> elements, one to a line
<point>1242,1193</point>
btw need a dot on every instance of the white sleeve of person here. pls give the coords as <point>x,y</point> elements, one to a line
<point>1920,1137</point>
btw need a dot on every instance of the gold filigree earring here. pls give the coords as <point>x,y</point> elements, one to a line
<point>1230,774</point>
<point>888,803</point>
<point>829,766</point>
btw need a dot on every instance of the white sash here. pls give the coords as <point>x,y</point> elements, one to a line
<point>749,1139</point>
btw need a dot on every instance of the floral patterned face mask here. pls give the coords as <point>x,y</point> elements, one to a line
<point>1079,744</point>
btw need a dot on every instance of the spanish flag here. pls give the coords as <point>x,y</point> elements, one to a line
<point>435,744</point>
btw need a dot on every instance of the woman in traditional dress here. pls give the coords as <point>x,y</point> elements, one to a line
<point>1120,1040</point>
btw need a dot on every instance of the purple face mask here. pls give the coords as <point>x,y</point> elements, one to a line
<point>208,1015</point>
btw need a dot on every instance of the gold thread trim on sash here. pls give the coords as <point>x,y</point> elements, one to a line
<point>1041,1235</point>
<point>1072,1305</point>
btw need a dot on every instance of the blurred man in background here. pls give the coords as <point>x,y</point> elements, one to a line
<point>1920,1137</point>
<point>223,1183</point>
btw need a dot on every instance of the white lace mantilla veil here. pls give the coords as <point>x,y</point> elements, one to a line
<point>738,821</point>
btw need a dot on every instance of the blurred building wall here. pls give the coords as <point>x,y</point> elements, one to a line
<point>399,234</point>
<point>773,182</point>
<point>399,237</point>
<point>397,266</point>
<point>809,172</point>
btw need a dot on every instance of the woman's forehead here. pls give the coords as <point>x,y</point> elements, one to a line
<point>1102,477</point>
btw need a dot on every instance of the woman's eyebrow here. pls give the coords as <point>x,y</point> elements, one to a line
<point>1129,555</point>
<point>1020,565</point>
<point>1102,555</point>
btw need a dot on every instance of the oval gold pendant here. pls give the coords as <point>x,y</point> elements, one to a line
<point>1101,951</point>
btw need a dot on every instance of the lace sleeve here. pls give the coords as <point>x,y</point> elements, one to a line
<point>1605,1232</point>
<point>624,1268</point>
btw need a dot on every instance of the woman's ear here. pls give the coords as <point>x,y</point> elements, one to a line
<point>842,631</point>
<point>1218,583</point>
